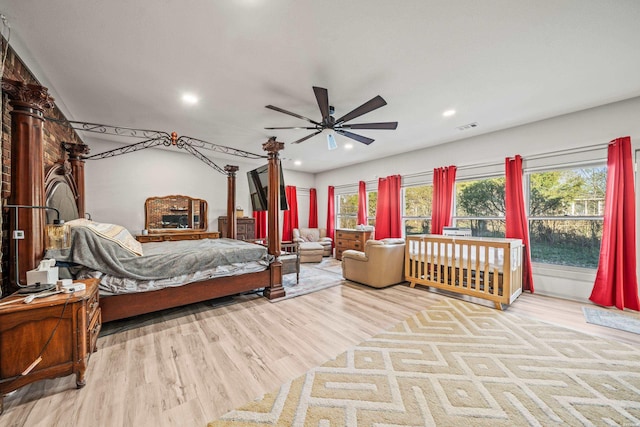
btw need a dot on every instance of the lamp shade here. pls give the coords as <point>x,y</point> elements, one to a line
<point>58,235</point>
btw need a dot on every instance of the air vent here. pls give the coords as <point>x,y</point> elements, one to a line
<point>468,126</point>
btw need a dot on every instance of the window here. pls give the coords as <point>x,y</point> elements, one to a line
<point>480,206</point>
<point>566,209</point>
<point>417,209</point>
<point>372,203</point>
<point>347,207</point>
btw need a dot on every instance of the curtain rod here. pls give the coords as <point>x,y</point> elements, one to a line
<point>584,149</point>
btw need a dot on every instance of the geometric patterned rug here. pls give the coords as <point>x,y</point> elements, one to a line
<point>462,364</point>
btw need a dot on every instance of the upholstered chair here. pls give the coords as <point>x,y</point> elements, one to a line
<point>381,264</point>
<point>316,235</point>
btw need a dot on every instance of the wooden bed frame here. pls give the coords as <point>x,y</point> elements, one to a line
<point>29,187</point>
<point>466,265</point>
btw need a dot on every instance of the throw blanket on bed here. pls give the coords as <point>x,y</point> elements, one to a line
<point>115,233</point>
<point>161,260</point>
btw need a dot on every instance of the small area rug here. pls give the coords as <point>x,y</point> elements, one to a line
<point>612,319</point>
<point>313,277</point>
<point>461,364</point>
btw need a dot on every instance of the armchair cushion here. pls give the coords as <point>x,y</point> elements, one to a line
<point>381,264</point>
<point>317,235</point>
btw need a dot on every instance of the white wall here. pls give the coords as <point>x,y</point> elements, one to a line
<point>117,187</point>
<point>585,128</point>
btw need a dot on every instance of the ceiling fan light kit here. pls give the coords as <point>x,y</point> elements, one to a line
<point>337,125</point>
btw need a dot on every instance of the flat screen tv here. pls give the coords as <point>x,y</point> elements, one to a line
<point>259,189</point>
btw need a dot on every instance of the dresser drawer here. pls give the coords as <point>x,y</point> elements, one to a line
<point>149,238</point>
<point>93,304</point>
<point>355,244</point>
<point>177,236</point>
<point>349,244</point>
<point>95,324</point>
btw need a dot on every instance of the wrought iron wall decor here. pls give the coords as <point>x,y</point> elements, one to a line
<point>154,138</point>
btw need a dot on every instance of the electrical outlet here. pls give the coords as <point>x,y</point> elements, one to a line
<point>18,234</point>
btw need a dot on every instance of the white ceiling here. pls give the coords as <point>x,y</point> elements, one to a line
<point>500,63</point>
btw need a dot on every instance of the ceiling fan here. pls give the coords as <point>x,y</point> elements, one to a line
<point>338,125</point>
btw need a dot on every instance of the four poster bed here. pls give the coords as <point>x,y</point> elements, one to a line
<point>122,305</point>
<point>63,188</point>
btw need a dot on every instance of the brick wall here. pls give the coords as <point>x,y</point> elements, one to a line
<point>54,135</point>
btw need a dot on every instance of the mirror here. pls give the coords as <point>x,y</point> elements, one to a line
<point>174,214</point>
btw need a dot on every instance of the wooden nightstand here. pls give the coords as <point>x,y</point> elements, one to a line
<point>25,331</point>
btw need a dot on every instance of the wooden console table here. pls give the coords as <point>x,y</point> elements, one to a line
<point>61,331</point>
<point>169,237</point>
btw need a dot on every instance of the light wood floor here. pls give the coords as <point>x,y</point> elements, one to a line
<point>194,367</point>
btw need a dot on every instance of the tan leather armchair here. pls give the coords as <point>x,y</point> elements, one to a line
<point>316,235</point>
<point>381,264</point>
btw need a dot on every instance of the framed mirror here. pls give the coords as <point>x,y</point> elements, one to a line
<point>176,213</point>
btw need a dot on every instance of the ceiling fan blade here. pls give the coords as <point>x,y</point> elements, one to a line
<point>382,125</point>
<point>357,137</point>
<point>295,127</point>
<point>368,106</point>
<point>306,137</point>
<point>280,110</point>
<point>322,96</point>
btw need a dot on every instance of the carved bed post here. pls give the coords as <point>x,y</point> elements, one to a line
<point>273,234</point>
<point>231,201</point>
<point>76,151</point>
<point>27,169</point>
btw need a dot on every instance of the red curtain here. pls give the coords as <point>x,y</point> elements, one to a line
<point>517,226</point>
<point>362,203</point>
<point>290,217</point>
<point>331,212</point>
<point>260,224</point>
<point>443,181</point>
<point>313,208</point>
<point>388,211</point>
<point>616,282</point>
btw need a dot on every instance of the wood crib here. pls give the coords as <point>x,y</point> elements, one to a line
<point>487,268</point>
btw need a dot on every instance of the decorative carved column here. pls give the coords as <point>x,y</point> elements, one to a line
<point>27,169</point>
<point>273,234</point>
<point>231,201</point>
<point>75,152</point>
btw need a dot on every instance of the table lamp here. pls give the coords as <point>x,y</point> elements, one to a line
<point>58,236</point>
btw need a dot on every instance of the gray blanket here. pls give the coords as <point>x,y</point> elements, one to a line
<point>160,260</point>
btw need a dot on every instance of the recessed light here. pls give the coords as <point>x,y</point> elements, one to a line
<point>297,163</point>
<point>189,99</point>
<point>348,146</point>
<point>449,113</point>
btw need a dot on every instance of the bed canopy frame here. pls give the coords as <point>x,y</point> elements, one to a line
<point>30,186</point>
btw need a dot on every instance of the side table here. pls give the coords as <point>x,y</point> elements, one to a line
<point>49,337</point>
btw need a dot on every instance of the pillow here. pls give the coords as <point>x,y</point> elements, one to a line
<point>112,232</point>
<point>310,234</point>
